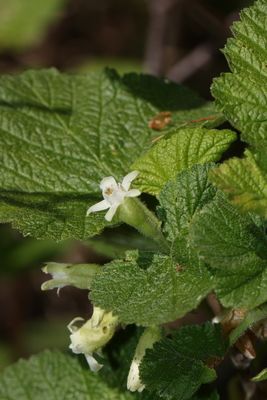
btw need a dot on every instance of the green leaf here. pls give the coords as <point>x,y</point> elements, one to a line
<point>174,368</point>
<point>182,198</point>
<point>222,236</point>
<point>241,95</point>
<point>151,288</point>
<point>262,376</point>
<point>235,246</point>
<point>62,134</point>
<point>24,22</point>
<point>245,285</point>
<point>244,183</point>
<point>183,149</point>
<point>54,376</point>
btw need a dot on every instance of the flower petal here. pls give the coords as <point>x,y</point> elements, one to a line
<point>110,214</point>
<point>126,182</point>
<point>107,182</point>
<point>93,364</point>
<point>102,205</point>
<point>132,193</point>
<point>71,327</point>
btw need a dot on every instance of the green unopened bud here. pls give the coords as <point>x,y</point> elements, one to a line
<point>151,335</point>
<point>93,335</point>
<point>78,275</point>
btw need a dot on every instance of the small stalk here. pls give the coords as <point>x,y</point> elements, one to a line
<point>133,212</point>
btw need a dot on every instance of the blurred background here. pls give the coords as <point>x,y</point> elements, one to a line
<point>178,39</point>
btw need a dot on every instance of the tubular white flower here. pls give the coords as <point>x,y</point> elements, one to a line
<point>114,194</point>
<point>151,335</point>
<point>93,335</point>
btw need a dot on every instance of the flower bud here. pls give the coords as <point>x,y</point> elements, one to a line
<point>78,275</point>
<point>151,335</point>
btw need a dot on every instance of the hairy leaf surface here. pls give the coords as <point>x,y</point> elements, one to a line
<point>151,288</point>
<point>235,246</point>
<point>244,182</point>
<point>182,198</point>
<point>183,149</point>
<point>54,376</point>
<point>242,94</point>
<point>175,368</point>
<point>62,134</point>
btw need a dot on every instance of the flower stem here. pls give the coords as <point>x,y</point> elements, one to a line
<point>133,212</point>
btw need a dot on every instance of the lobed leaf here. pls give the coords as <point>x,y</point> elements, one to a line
<point>175,368</point>
<point>183,149</point>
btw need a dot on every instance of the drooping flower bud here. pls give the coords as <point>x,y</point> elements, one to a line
<point>151,335</point>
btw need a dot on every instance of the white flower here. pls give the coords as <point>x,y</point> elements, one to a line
<point>114,194</point>
<point>151,335</point>
<point>93,335</point>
